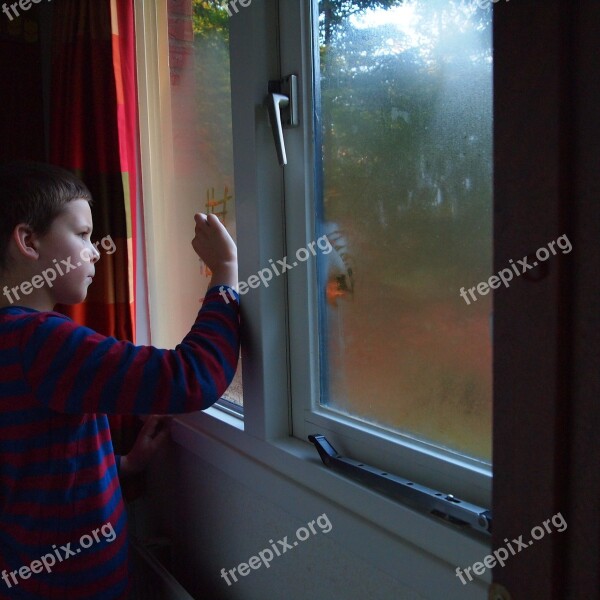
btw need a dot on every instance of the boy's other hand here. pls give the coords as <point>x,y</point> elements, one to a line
<point>216,248</point>
<point>152,436</point>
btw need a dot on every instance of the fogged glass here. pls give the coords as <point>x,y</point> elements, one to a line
<point>405,120</point>
<point>202,136</point>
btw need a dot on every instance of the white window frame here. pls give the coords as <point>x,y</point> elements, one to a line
<point>403,455</point>
<point>275,371</point>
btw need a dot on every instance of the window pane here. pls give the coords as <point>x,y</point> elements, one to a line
<point>406,200</point>
<point>202,139</point>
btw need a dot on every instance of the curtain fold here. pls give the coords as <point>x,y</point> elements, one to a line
<point>93,131</point>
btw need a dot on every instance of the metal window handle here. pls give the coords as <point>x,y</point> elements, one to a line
<point>274,103</point>
<point>282,104</point>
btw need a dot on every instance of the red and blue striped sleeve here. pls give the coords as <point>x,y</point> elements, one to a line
<point>72,369</point>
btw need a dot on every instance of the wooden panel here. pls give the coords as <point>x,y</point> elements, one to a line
<point>533,187</point>
<point>583,574</point>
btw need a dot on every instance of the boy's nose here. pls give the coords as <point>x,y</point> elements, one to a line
<point>95,255</point>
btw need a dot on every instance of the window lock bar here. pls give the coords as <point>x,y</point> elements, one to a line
<point>444,506</point>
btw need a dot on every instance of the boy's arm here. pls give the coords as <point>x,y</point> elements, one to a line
<point>72,369</point>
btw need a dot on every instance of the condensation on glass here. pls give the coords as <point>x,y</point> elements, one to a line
<point>405,93</point>
<point>202,138</point>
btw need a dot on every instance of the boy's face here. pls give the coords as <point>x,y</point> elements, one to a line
<point>67,249</point>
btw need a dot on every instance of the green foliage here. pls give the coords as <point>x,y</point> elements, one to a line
<point>407,143</point>
<point>211,19</point>
<point>213,97</point>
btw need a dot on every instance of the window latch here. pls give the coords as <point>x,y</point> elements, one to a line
<point>444,506</point>
<point>282,104</point>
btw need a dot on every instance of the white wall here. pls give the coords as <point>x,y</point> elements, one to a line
<point>215,521</point>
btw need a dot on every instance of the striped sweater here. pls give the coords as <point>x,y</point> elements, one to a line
<point>63,531</point>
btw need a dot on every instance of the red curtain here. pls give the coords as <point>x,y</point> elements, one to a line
<point>93,131</point>
<point>22,106</point>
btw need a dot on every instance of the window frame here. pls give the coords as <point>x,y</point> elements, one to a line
<point>403,455</point>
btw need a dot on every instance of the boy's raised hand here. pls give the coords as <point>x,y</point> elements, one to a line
<point>213,244</point>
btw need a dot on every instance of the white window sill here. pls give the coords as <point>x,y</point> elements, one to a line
<point>291,473</point>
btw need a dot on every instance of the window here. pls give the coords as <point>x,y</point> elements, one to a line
<point>364,340</point>
<point>406,199</point>
<point>194,154</point>
<point>401,96</point>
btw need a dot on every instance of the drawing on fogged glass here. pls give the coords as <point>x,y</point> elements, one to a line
<point>405,96</point>
<point>199,68</point>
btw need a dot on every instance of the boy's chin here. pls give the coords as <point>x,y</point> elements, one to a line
<point>72,298</point>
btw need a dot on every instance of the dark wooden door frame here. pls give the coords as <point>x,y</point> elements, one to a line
<point>546,324</point>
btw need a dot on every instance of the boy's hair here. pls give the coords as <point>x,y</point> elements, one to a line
<point>34,193</point>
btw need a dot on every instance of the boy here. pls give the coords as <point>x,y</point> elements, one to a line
<point>62,521</point>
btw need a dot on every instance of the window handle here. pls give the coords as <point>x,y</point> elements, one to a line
<point>282,104</point>
<point>274,103</point>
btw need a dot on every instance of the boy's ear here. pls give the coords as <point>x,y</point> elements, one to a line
<point>26,240</point>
